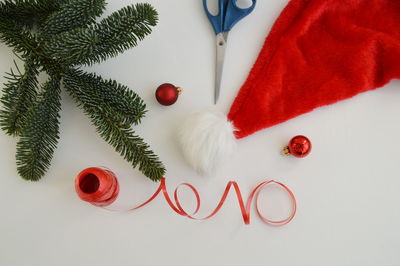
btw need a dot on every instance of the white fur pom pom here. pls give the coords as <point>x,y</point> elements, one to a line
<point>206,139</point>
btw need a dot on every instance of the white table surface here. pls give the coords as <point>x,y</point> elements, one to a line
<point>347,190</point>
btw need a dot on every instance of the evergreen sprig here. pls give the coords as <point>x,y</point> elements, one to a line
<point>29,12</point>
<point>40,136</point>
<point>114,129</point>
<point>56,36</point>
<point>19,94</point>
<point>120,98</point>
<point>73,14</point>
<point>113,35</point>
<point>17,36</point>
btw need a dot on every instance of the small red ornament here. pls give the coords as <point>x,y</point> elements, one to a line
<point>167,94</point>
<point>299,146</point>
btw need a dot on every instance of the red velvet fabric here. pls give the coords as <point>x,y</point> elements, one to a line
<point>317,53</point>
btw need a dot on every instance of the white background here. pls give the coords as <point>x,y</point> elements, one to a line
<point>347,190</point>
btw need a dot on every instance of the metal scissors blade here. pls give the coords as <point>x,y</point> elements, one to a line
<point>222,42</point>
<point>229,14</point>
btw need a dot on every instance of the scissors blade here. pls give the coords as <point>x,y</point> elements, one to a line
<point>222,41</point>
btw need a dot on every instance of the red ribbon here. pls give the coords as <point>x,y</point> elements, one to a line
<point>98,198</point>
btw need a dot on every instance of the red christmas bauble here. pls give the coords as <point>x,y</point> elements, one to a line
<point>300,146</point>
<point>167,94</point>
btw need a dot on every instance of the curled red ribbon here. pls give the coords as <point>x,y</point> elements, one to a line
<point>99,186</point>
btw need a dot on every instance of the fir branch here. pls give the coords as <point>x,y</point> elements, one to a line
<point>74,14</point>
<point>40,136</point>
<point>119,97</point>
<point>111,36</point>
<point>53,36</point>
<point>28,12</point>
<point>19,94</point>
<point>111,127</point>
<point>17,36</point>
<point>29,7</point>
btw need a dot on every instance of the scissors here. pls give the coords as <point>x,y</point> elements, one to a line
<point>229,14</point>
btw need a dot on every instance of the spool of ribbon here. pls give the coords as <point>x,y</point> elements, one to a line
<point>99,186</point>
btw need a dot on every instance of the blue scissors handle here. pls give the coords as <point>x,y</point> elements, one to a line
<point>229,14</point>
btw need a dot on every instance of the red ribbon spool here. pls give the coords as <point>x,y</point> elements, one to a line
<point>99,186</point>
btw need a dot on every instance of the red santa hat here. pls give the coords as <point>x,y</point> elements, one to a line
<point>318,52</point>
